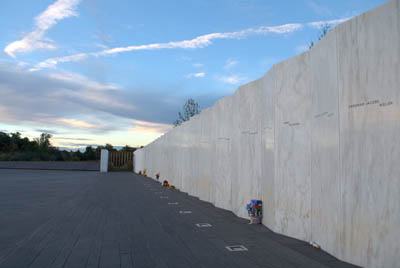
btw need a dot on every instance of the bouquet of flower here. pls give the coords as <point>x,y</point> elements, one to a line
<point>254,209</point>
<point>158,175</point>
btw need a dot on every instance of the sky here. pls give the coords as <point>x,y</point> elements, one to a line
<point>92,72</point>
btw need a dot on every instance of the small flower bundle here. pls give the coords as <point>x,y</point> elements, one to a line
<point>255,211</point>
<point>171,187</point>
<point>140,172</point>
<point>254,208</point>
<point>165,183</point>
<point>158,175</point>
<point>144,173</point>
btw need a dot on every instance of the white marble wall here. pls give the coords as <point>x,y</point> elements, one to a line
<point>316,138</point>
<point>293,147</point>
<point>369,56</point>
<point>325,184</point>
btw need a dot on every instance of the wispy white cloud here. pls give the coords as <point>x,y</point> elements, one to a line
<point>101,45</point>
<point>59,10</point>
<point>198,75</point>
<point>76,123</point>
<point>150,127</point>
<point>205,40</point>
<point>320,24</point>
<point>51,63</point>
<point>231,79</point>
<point>230,63</point>
<point>198,65</point>
<point>82,81</point>
<point>197,42</point>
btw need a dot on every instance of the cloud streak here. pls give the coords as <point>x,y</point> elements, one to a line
<point>230,63</point>
<point>150,127</point>
<point>77,139</point>
<point>201,41</point>
<point>232,79</point>
<point>320,24</point>
<point>197,75</point>
<point>36,39</point>
<point>197,42</point>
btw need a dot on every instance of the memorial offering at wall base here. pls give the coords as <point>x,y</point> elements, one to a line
<point>254,209</point>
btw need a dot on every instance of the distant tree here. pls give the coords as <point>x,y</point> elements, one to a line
<point>98,150</point>
<point>322,33</point>
<point>127,148</point>
<point>28,146</point>
<point>109,147</point>
<point>4,142</point>
<point>44,142</point>
<point>15,148</point>
<point>89,154</point>
<point>15,142</point>
<point>311,44</point>
<point>77,156</point>
<point>190,109</point>
<point>66,156</point>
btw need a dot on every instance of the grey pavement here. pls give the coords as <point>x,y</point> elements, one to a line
<point>119,219</point>
<point>52,165</point>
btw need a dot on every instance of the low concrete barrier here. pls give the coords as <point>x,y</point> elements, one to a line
<point>47,165</point>
<point>104,161</point>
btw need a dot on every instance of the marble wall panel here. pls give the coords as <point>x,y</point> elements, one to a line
<point>183,159</point>
<point>234,136</point>
<point>369,82</point>
<point>205,157</point>
<point>326,223</point>
<point>247,186</point>
<point>222,153</point>
<point>198,154</point>
<point>268,148</point>
<point>293,147</point>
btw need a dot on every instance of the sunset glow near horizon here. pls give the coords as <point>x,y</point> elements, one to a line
<point>93,72</point>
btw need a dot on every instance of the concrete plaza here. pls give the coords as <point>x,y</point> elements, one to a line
<point>91,219</point>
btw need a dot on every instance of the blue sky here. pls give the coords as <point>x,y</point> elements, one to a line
<point>92,72</point>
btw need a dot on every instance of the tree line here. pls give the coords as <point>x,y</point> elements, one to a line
<point>15,148</point>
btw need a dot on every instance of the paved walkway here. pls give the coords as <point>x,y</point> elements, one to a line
<point>52,165</point>
<point>89,219</point>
